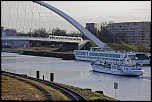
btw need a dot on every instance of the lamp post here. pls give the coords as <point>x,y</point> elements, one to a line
<point>114,38</point>
<point>30,31</point>
<point>115,87</point>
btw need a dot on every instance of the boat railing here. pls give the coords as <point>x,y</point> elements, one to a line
<point>137,68</point>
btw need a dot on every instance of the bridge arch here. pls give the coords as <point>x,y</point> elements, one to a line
<point>74,23</point>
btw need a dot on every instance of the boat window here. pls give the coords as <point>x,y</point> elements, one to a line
<point>117,56</point>
<point>110,55</point>
<point>103,54</point>
<point>113,55</point>
<point>141,56</point>
<point>80,53</point>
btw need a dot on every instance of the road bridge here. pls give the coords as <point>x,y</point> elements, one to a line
<point>72,43</point>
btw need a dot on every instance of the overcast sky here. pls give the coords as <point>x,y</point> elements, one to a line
<point>82,11</point>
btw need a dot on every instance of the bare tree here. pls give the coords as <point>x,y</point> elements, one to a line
<point>41,32</point>
<point>59,32</point>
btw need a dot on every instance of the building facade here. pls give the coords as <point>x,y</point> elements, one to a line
<point>8,32</point>
<point>93,28</point>
<point>138,33</point>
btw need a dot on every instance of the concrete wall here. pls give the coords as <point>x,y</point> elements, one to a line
<point>15,43</point>
<point>69,46</point>
<point>64,46</point>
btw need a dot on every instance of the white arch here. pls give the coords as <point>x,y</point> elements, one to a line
<point>74,23</point>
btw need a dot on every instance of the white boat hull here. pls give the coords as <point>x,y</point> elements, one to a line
<point>117,72</point>
<point>144,62</point>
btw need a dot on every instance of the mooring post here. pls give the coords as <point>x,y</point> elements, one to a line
<point>37,74</point>
<point>43,77</point>
<point>115,87</point>
<point>51,77</point>
<point>101,92</point>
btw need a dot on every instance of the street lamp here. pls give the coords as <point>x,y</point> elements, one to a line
<point>30,31</point>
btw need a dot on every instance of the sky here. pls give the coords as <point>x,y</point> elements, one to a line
<point>31,15</point>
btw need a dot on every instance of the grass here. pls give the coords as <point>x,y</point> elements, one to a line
<point>56,95</point>
<point>41,49</point>
<point>13,89</point>
<point>116,47</point>
<point>128,47</point>
<point>36,49</point>
<point>90,95</point>
<point>121,47</point>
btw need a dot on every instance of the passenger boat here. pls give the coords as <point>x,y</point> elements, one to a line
<point>118,67</point>
<point>95,53</point>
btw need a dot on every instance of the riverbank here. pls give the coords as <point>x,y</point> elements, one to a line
<point>42,51</point>
<point>14,89</point>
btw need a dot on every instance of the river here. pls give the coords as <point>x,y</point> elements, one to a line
<point>80,74</point>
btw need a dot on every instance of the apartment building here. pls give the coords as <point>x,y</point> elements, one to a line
<point>136,32</point>
<point>8,32</point>
<point>93,28</point>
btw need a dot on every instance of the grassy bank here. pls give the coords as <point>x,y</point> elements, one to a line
<point>38,49</point>
<point>92,96</point>
<point>116,47</point>
<point>129,47</point>
<point>43,51</point>
<point>14,89</point>
<point>121,47</point>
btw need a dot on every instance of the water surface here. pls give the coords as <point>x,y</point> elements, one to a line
<point>80,74</point>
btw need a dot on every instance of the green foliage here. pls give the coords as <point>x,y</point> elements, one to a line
<point>128,47</point>
<point>90,95</point>
<point>120,47</point>
<point>88,45</point>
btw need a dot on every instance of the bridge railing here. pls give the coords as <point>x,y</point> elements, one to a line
<point>65,38</point>
<point>49,38</point>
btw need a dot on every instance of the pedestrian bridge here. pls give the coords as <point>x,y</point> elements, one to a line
<point>62,39</point>
<point>7,40</point>
<point>48,38</point>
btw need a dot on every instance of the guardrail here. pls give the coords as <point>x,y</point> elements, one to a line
<point>50,38</point>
